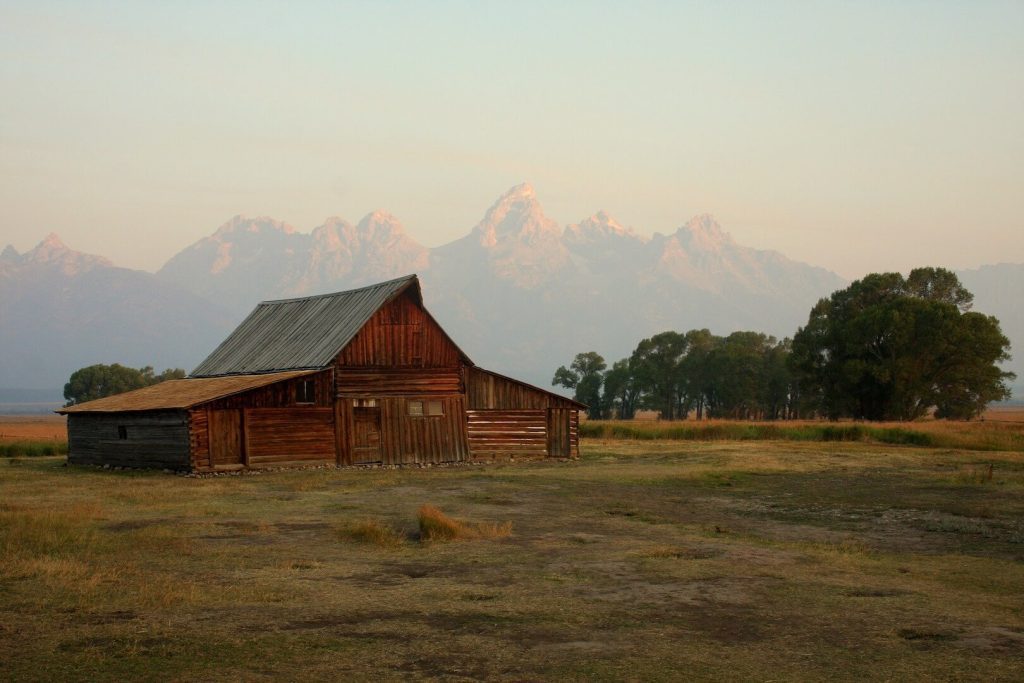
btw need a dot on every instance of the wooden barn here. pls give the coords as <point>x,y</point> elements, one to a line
<point>362,376</point>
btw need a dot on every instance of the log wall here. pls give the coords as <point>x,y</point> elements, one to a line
<point>507,418</point>
<point>158,439</point>
<point>274,436</point>
<point>504,433</point>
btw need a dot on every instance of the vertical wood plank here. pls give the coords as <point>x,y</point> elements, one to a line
<point>245,436</point>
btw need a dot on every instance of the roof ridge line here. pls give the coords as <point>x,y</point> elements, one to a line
<point>410,277</point>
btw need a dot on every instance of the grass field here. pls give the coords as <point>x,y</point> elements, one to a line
<point>1004,431</point>
<point>649,560</point>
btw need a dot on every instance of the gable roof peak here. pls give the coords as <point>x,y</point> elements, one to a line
<point>302,333</point>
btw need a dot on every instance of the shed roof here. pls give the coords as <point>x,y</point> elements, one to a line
<point>309,332</point>
<point>182,393</point>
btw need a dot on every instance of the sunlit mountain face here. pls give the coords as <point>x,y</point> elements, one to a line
<point>518,292</point>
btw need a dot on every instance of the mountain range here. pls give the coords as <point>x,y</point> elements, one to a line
<point>519,293</point>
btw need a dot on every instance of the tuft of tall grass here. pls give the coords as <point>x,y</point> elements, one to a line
<point>18,449</point>
<point>371,532</point>
<point>437,526</point>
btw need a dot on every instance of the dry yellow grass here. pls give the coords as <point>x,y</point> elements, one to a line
<point>991,434</point>
<point>437,526</point>
<point>371,531</point>
<point>33,427</point>
<point>652,560</point>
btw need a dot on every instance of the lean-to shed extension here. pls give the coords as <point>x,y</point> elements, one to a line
<point>167,425</point>
<point>361,376</point>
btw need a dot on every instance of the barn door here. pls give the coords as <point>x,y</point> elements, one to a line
<point>366,435</point>
<point>558,433</point>
<point>226,438</point>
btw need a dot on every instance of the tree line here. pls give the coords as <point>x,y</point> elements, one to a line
<point>97,381</point>
<point>887,347</point>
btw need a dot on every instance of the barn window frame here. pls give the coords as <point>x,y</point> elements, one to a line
<point>425,408</point>
<point>305,392</point>
<point>122,432</point>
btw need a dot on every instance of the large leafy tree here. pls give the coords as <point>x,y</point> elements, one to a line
<point>584,377</point>
<point>697,372</point>
<point>894,348</point>
<point>98,381</point>
<point>621,391</point>
<point>778,390</point>
<point>658,369</point>
<point>747,377</point>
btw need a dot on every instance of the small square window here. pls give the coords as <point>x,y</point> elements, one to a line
<point>435,408</point>
<point>122,432</point>
<point>416,408</point>
<point>305,392</point>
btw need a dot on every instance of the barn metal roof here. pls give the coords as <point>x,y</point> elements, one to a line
<point>304,333</point>
<point>182,393</point>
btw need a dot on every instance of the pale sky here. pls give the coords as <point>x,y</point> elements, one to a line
<point>858,136</point>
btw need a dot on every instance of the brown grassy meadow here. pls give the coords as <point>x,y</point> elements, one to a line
<point>645,560</point>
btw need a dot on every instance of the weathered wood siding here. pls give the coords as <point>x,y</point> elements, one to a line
<point>372,382</point>
<point>275,436</point>
<point>563,433</point>
<point>504,433</point>
<point>439,438</point>
<point>157,439</point>
<point>266,427</point>
<point>400,355</point>
<point>404,438</point>
<point>487,390</point>
<point>226,438</point>
<point>199,437</point>
<point>281,394</point>
<point>574,433</point>
<point>401,335</point>
<point>507,417</point>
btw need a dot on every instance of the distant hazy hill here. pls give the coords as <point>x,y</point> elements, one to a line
<point>62,309</point>
<point>999,291</point>
<point>518,292</point>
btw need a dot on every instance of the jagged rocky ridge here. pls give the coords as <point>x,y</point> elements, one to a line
<point>518,292</point>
